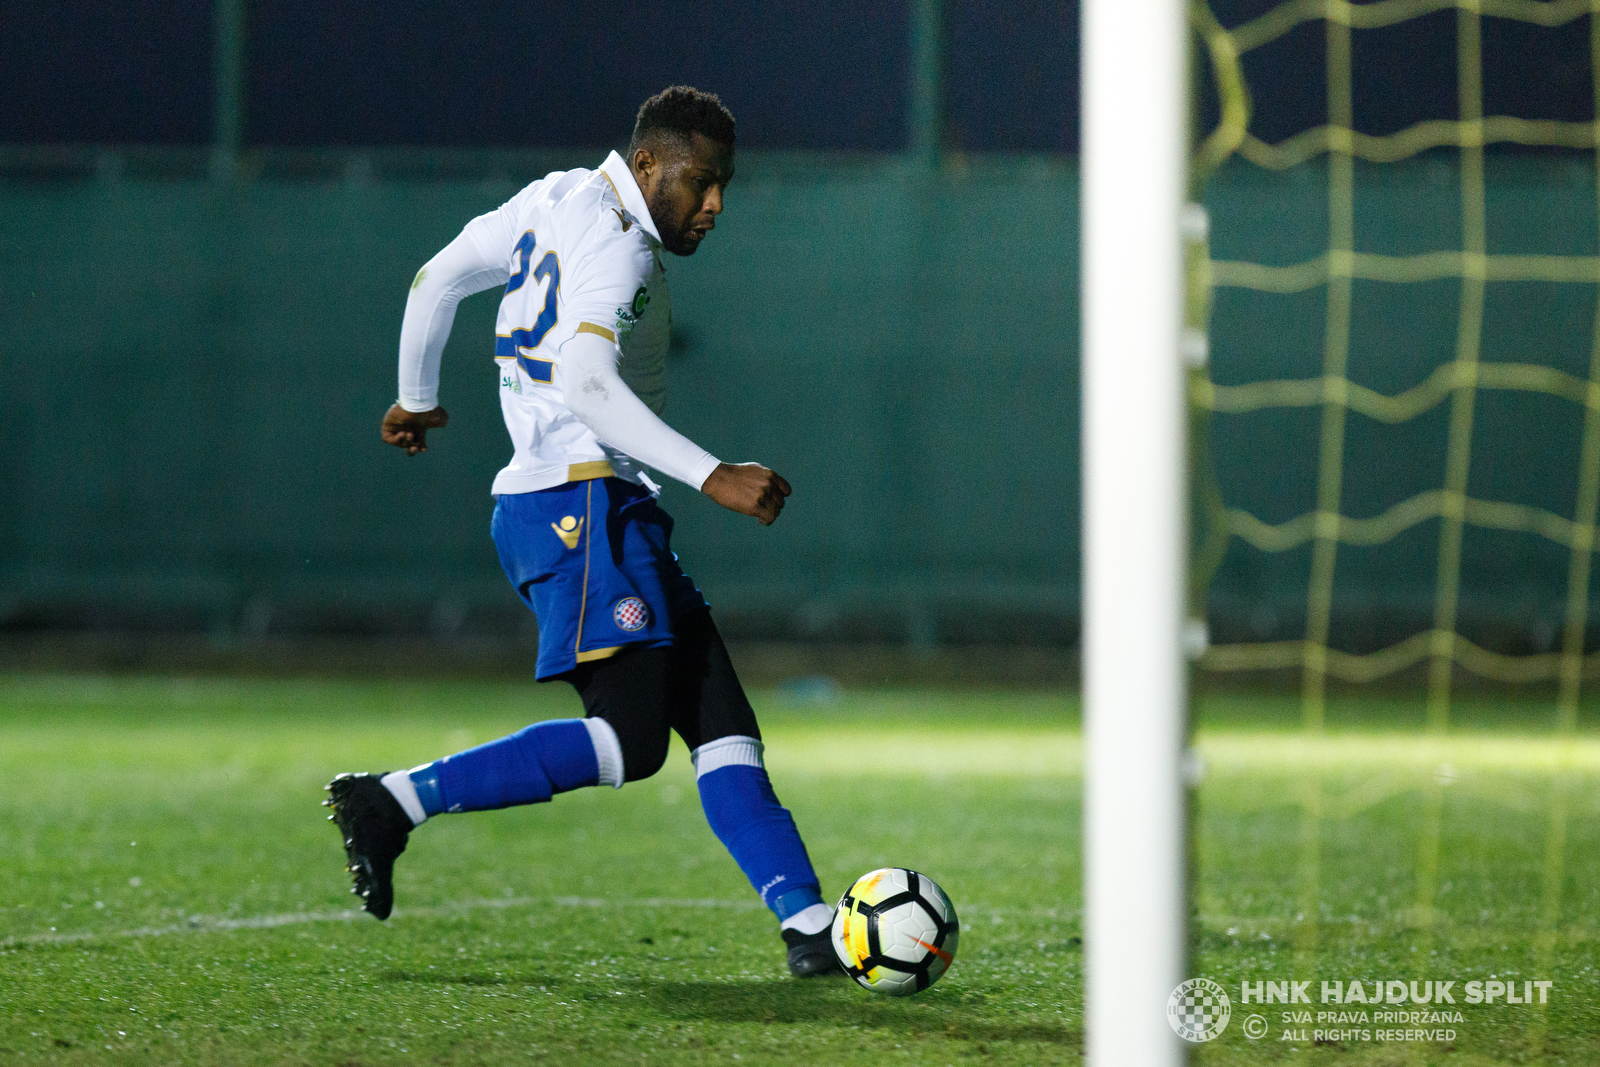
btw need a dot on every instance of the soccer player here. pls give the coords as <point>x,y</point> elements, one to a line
<point>580,345</point>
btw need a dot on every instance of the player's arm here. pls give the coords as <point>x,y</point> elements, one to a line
<point>476,260</point>
<point>594,392</point>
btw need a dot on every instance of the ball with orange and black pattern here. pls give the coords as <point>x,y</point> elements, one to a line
<point>895,931</point>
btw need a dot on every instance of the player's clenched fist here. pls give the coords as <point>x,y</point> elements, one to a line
<point>748,488</point>
<point>409,429</point>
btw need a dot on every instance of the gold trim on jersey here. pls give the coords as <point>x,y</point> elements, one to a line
<point>589,327</point>
<point>594,468</point>
<point>598,653</point>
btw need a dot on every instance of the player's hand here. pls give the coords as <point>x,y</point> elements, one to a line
<point>748,488</point>
<point>409,429</point>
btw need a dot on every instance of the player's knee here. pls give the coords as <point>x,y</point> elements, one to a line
<point>644,750</point>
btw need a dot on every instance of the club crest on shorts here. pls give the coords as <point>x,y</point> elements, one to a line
<point>630,614</point>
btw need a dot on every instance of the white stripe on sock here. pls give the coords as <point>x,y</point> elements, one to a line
<point>607,751</point>
<point>810,920</point>
<point>734,751</point>
<point>399,784</point>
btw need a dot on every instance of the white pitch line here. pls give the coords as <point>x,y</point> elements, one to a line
<point>201,924</point>
<point>656,902</point>
<point>205,924</point>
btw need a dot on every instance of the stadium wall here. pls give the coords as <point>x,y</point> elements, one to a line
<point>195,370</point>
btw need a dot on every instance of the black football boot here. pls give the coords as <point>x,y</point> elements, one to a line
<point>812,954</point>
<point>375,828</point>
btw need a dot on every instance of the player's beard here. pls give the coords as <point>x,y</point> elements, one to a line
<point>673,239</point>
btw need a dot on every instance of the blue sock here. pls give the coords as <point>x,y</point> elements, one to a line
<point>760,833</point>
<point>795,901</point>
<point>526,767</point>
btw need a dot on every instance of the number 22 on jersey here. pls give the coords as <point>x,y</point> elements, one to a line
<point>523,340</point>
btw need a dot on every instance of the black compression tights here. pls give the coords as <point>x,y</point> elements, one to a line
<point>688,686</point>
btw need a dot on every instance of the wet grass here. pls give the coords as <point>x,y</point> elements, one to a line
<point>169,892</point>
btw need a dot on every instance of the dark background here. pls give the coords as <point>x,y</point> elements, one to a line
<point>799,75</point>
<point>889,328</point>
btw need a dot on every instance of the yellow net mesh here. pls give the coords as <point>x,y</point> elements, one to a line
<point>1455,383</point>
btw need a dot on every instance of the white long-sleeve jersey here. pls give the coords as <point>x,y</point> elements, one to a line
<point>581,338</point>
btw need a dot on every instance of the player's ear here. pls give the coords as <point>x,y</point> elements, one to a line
<point>644,164</point>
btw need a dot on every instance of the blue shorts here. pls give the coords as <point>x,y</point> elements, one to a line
<point>594,561</point>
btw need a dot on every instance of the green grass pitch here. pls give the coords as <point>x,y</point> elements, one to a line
<point>170,893</point>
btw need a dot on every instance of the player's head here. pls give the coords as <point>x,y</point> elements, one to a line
<point>682,157</point>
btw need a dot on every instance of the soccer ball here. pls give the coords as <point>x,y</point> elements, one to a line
<point>895,931</point>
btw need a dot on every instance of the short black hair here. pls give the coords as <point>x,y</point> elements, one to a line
<point>680,111</point>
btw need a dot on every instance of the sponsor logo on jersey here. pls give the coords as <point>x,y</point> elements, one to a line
<point>569,529</point>
<point>630,614</point>
<point>628,316</point>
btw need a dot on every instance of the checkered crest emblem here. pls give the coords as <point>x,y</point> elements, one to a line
<point>1198,1010</point>
<point>630,614</point>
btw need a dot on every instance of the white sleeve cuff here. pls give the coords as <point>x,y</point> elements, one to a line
<point>702,470</point>
<point>416,404</point>
<point>602,401</point>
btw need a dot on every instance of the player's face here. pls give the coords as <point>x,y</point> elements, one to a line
<point>683,186</point>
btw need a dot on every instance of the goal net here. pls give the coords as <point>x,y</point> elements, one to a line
<point>1392,350</point>
<point>1370,262</point>
<point>1395,433</point>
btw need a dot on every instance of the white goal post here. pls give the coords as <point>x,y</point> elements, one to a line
<point>1135,541</point>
